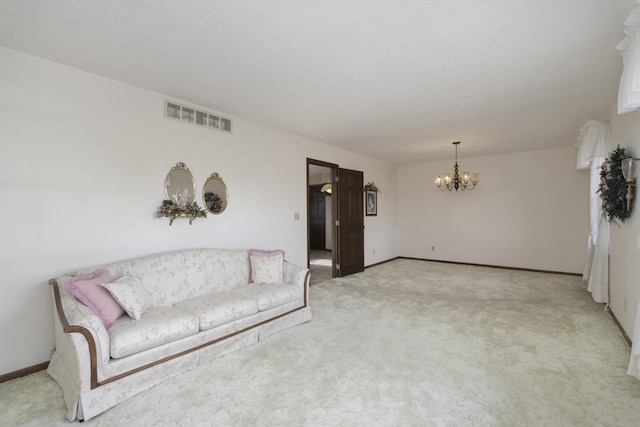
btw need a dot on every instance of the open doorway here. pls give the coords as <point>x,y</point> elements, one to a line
<point>321,212</point>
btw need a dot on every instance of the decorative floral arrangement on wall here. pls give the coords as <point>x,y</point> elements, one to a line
<point>172,210</point>
<point>613,188</point>
<point>371,187</point>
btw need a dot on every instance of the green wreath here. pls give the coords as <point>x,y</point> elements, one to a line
<point>613,188</point>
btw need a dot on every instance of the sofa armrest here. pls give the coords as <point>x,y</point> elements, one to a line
<point>87,340</point>
<point>298,276</point>
<point>294,274</point>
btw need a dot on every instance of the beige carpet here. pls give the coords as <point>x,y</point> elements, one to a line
<point>406,343</point>
<point>321,266</point>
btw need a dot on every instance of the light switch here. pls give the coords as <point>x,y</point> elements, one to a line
<point>296,216</point>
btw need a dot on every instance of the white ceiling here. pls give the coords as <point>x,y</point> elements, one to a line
<point>395,80</point>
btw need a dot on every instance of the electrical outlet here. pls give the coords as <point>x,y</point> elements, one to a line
<point>374,251</point>
<point>296,216</point>
<point>433,248</point>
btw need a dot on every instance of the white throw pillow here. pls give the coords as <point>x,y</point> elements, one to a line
<point>128,292</point>
<point>267,269</point>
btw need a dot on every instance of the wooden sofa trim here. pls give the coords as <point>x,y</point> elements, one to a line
<point>78,329</point>
<point>92,345</point>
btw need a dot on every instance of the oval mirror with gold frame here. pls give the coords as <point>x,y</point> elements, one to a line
<point>215,194</point>
<point>180,185</point>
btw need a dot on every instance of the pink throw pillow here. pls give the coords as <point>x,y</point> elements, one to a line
<point>88,290</point>
<point>261,253</point>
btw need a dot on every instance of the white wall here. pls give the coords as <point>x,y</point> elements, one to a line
<point>530,210</point>
<point>82,165</point>
<point>624,272</point>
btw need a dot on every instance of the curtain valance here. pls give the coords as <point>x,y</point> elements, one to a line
<point>592,142</point>
<point>629,91</point>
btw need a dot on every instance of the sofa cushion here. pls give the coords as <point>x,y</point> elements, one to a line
<point>129,293</point>
<point>266,266</point>
<point>88,290</point>
<point>157,326</point>
<point>271,295</point>
<point>219,308</point>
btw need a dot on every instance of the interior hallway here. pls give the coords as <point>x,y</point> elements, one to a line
<point>320,266</point>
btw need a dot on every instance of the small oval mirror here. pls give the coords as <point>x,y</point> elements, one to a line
<point>179,185</point>
<point>215,194</point>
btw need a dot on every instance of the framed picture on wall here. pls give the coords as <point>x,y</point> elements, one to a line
<point>371,202</point>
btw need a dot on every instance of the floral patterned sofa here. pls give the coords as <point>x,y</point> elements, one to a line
<point>125,327</point>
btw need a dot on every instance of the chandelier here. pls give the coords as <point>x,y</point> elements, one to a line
<point>467,181</point>
<point>327,188</point>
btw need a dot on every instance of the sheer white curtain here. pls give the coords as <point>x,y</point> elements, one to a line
<point>599,277</point>
<point>593,145</point>
<point>629,91</point>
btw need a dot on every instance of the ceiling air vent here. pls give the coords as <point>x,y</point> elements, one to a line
<point>196,117</point>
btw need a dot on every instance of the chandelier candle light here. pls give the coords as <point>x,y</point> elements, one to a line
<point>629,174</point>
<point>468,180</point>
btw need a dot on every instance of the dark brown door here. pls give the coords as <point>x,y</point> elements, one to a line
<point>351,217</point>
<point>317,218</point>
